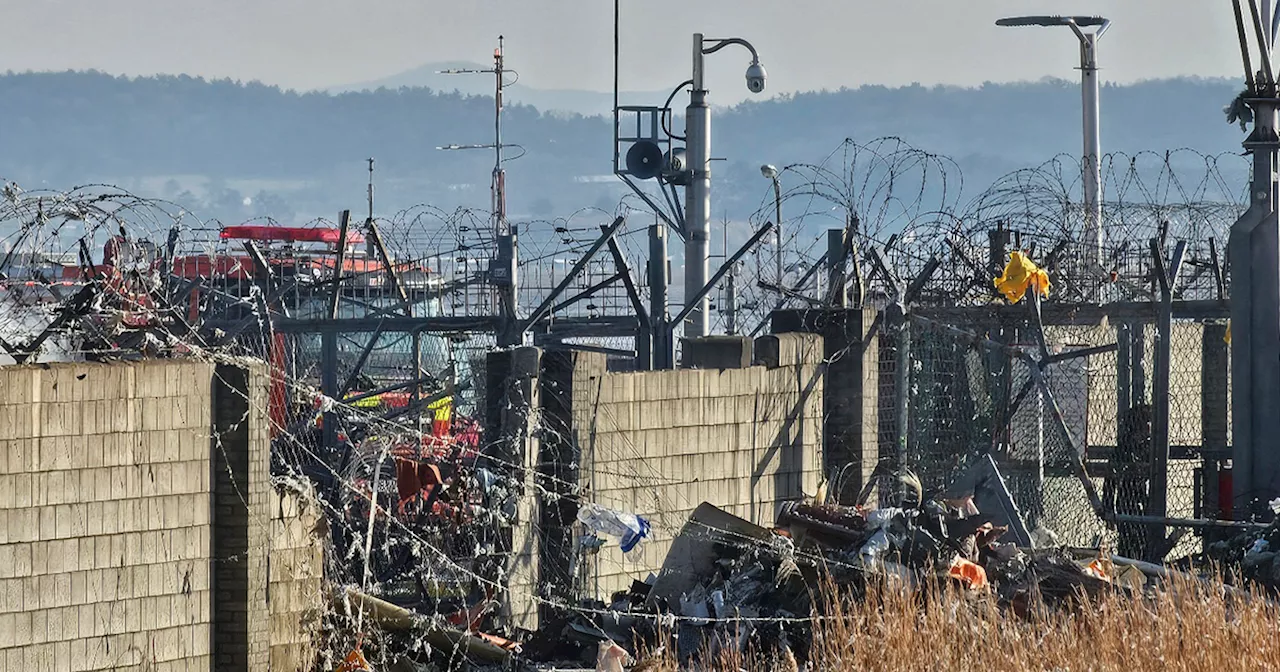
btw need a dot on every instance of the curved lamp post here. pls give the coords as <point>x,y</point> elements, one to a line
<point>697,220</point>
<point>1089,89</point>
<point>771,173</point>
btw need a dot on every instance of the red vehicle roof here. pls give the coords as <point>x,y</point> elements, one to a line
<point>297,234</point>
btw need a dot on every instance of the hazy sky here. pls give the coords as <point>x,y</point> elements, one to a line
<point>805,44</point>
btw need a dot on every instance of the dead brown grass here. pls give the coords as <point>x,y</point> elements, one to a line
<point>1190,625</point>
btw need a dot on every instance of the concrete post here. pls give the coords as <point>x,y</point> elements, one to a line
<point>850,403</point>
<point>562,463</point>
<point>512,416</point>
<point>241,473</point>
<point>836,267</point>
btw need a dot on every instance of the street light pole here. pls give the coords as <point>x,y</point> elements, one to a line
<point>772,174</point>
<point>1089,96</point>
<point>697,194</point>
<point>697,197</point>
<point>1091,168</point>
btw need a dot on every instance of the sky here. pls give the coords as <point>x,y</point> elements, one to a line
<point>568,44</point>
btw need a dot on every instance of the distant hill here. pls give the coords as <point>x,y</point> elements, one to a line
<point>586,103</point>
<point>215,142</point>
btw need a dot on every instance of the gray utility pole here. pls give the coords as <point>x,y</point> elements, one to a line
<point>697,220</point>
<point>1253,251</point>
<point>1091,166</point>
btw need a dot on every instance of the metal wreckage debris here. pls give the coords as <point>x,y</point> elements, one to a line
<point>728,585</point>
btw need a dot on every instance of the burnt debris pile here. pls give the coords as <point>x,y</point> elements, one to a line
<point>730,587</point>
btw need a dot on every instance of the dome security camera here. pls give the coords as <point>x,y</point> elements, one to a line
<point>755,77</point>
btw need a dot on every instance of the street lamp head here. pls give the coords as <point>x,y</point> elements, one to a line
<point>1081,21</point>
<point>755,77</point>
<point>769,171</point>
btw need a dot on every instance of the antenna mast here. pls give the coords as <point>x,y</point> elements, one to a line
<point>502,268</point>
<point>498,188</point>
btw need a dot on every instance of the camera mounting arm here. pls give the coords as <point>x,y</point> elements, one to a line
<point>701,49</point>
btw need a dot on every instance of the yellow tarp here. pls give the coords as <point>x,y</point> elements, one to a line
<point>443,409</point>
<point>1020,275</point>
<point>1227,338</point>
<point>368,402</point>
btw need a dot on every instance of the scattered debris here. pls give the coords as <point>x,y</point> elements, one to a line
<point>728,585</point>
<point>628,528</point>
<point>1249,556</point>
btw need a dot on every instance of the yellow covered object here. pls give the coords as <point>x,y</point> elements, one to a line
<point>1020,275</point>
<point>443,409</point>
<point>1227,338</point>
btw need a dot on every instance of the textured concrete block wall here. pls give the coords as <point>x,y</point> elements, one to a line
<point>660,443</point>
<point>136,516</point>
<point>104,517</point>
<point>295,576</point>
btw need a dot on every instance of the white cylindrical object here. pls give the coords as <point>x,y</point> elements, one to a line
<point>697,211</point>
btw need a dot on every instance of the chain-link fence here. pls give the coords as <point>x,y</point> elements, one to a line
<point>1073,423</point>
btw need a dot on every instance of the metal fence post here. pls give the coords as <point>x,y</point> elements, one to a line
<point>902,389</point>
<point>329,384</point>
<point>1158,504</point>
<point>1213,416</point>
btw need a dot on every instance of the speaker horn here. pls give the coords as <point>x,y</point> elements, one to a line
<point>644,159</point>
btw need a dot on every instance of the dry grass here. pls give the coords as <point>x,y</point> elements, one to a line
<point>1188,626</point>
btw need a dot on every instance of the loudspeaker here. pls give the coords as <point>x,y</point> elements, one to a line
<point>644,159</point>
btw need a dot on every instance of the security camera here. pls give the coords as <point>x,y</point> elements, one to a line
<point>755,77</point>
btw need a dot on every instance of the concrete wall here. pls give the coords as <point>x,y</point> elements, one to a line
<point>134,516</point>
<point>105,537</point>
<point>295,575</point>
<point>660,443</point>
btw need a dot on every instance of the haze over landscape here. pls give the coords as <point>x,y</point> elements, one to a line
<point>895,367</point>
<point>295,146</point>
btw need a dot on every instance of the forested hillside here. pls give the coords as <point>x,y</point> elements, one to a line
<point>295,154</point>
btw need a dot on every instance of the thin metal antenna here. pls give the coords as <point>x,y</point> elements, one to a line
<point>370,245</point>
<point>499,175</point>
<point>498,186</point>
<point>370,189</point>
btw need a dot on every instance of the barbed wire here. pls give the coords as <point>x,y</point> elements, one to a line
<point>96,272</point>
